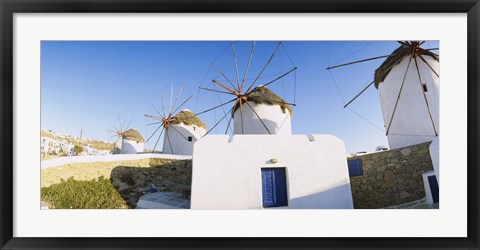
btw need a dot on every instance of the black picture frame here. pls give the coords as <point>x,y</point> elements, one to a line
<point>10,7</point>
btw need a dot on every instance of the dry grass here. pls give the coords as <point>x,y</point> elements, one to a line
<point>188,118</point>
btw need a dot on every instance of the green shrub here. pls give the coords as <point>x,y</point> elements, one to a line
<point>93,194</point>
<point>77,149</point>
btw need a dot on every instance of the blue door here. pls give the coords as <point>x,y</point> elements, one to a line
<point>274,187</point>
<point>432,182</point>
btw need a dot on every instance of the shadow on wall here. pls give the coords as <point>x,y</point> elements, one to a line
<point>127,148</point>
<point>339,197</point>
<point>268,123</point>
<point>133,182</point>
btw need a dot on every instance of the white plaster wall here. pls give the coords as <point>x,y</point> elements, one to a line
<point>275,120</point>
<point>434,155</point>
<point>177,134</point>
<point>228,175</point>
<point>411,123</point>
<point>132,147</point>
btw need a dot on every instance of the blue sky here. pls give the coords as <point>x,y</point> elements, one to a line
<point>86,85</point>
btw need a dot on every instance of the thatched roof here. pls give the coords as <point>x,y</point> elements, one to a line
<point>187,117</point>
<point>132,135</point>
<point>395,58</point>
<point>262,95</point>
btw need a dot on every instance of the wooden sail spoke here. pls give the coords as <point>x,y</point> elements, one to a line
<point>153,123</point>
<point>370,84</point>
<point>233,92</point>
<point>234,107</point>
<point>156,110</point>
<point>248,66</point>
<point>214,90</point>
<point>176,99</point>
<point>224,76</point>
<point>241,119</point>
<point>278,78</point>
<point>236,66</point>
<point>169,142</point>
<point>399,94</point>
<point>425,61</point>
<point>425,96</point>
<point>119,122</point>
<point>128,126</point>
<point>218,106</point>
<point>154,117</point>
<point>154,132</point>
<point>163,105</point>
<point>228,124</point>
<point>361,92</point>
<point>176,130</point>
<point>265,126</point>
<point>181,105</point>
<point>263,69</point>
<point>216,124</point>
<point>359,61</point>
<point>158,139</point>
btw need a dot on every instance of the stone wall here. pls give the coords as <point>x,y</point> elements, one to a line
<point>391,177</point>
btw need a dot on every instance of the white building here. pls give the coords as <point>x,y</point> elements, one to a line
<point>408,87</point>
<point>182,133</point>
<point>49,145</point>
<point>132,142</point>
<point>260,170</point>
<point>87,150</point>
<point>265,104</point>
<point>45,144</point>
<point>68,148</point>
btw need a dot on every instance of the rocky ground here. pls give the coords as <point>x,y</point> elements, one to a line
<point>132,179</point>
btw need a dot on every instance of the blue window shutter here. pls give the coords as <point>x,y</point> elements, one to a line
<point>274,187</point>
<point>432,182</point>
<point>355,167</point>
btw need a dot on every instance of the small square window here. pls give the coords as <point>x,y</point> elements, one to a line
<point>190,138</point>
<point>355,167</point>
<point>424,86</point>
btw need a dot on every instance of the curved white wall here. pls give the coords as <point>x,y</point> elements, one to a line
<point>132,147</point>
<point>272,116</point>
<point>177,134</point>
<point>227,175</point>
<point>411,123</point>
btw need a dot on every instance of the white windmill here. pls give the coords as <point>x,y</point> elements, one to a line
<point>408,87</point>
<point>132,141</point>
<point>181,129</point>
<point>256,109</point>
<point>408,84</point>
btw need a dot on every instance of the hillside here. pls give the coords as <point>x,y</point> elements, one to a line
<point>96,144</point>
